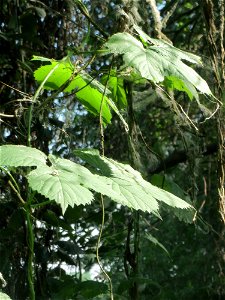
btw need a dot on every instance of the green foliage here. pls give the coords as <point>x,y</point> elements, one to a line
<point>59,185</point>
<point>133,191</point>
<point>116,85</point>
<point>4,296</point>
<point>69,183</point>
<point>90,289</point>
<point>156,242</point>
<point>172,187</point>
<point>157,60</point>
<point>170,150</point>
<point>64,76</point>
<point>18,156</point>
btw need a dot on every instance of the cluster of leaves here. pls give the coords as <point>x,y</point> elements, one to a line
<point>151,59</point>
<point>159,61</point>
<point>69,183</point>
<point>183,275</point>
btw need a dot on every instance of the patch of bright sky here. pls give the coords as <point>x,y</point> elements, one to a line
<point>161,5</point>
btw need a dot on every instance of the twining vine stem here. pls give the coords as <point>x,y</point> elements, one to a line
<point>101,196</point>
<point>30,243</point>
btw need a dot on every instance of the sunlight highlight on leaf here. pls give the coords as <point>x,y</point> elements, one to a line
<point>21,156</point>
<point>81,85</point>
<point>132,190</point>
<point>159,60</point>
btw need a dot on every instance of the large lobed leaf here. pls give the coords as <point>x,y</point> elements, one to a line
<point>69,183</point>
<point>168,47</point>
<point>60,186</point>
<point>132,190</point>
<point>159,60</point>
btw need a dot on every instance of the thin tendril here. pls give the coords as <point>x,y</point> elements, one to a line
<point>98,245</point>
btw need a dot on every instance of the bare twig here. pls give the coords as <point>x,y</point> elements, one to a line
<point>6,116</point>
<point>156,17</point>
<point>169,13</point>
<point>210,117</point>
<point>181,108</point>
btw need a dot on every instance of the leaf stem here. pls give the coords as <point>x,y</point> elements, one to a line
<point>17,192</point>
<point>14,185</point>
<point>41,204</point>
<point>12,178</point>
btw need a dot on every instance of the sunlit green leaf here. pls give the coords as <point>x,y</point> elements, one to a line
<point>159,60</point>
<point>62,186</point>
<point>4,296</point>
<point>81,84</point>
<point>90,97</point>
<point>132,190</point>
<point>67,183</point>
<point>116,85</point>
<point>21,156</point>
<point>59,76</point>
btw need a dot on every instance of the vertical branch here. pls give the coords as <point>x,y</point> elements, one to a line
<point>136,251</point>
<point>158,24</point>
<point>207,6</point>
<point>217,59</point>
<point>222,31</point>
<point>169,13</point>
<point>156,18</point>
<point>97,249</point>
<point>221,170</point>
<point>133,258</point>
<point>221,126</point>
<point>135,159</point>
<point>30,243</point>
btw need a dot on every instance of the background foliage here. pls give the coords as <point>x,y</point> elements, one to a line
<point>178,141</point>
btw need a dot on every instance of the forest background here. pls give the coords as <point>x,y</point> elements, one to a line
<point>175,140</point>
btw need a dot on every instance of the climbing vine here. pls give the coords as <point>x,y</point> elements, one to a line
<point>43,180</point>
